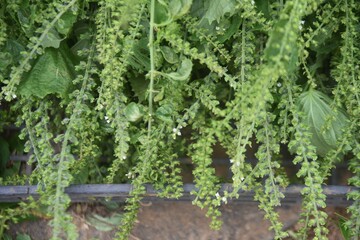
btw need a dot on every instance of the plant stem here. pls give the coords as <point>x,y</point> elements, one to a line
<point>152,65</point>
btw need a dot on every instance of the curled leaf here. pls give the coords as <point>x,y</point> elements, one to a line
<point>169,54</point>
<point>183,72</point>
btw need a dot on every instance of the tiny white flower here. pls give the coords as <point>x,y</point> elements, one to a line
<point>217,28</point>
<point>182,126</point>
<point>175,130</point>
<point>231,160</point>
<point>279,84</point>
<point>14,96</point>
<point>253,2</point>
<point>224,199</point>
<point>217,195</point>
<point>124,157</point>
<point>108,121</point>
<point>106,117</point>
<point>242,179</point>
<point>302,22</point>
<point>178,133</point>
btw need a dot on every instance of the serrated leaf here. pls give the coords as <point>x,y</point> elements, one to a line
<point>183,72</point>
<point>316,107</point>
<point>133,112</point>
<point>218,9</point>
<point>52,39</point>
<point>50,74</point>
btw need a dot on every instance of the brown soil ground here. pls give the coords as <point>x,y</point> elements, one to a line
<point>170,220</point>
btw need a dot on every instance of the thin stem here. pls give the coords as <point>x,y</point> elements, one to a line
<point>243,43</point>
<point>152,65</point>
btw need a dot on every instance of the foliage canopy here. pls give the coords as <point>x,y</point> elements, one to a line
<point>127,78</point>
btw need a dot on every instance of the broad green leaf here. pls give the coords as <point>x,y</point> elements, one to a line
<point>5,60</point>
<point>169,55</point>
<point>139,86</point>
<point>234,24</point>
<point>218,9</point>
<point>160,95</point>
<point>164,113</point>
<point>50,74</point>
<point>162,14</point>
<point>264,6</point>
<point>140,59</point>
<point>179,8</point>
<point>6,237</point>
<point>23,237</point>
<point>14,48</point>
<point>52,39</point>
<point>345,231</point>
<point>24,17</point>
<point>183,72</point>
<point>133,112</point>
<point>80,45</point>
<point>316,107</point>
<point>65,23</point>
<point>104,223</point>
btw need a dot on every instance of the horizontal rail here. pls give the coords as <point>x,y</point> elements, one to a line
<point>336,195</point>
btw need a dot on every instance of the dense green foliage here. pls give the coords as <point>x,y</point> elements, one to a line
<point>123,80</point>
